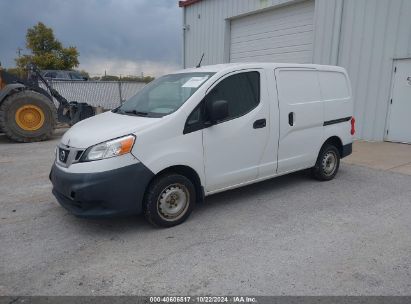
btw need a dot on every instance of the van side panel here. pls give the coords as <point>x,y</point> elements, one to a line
<point>338,104</point>
<point>301,118</point>
<point>336,95</point>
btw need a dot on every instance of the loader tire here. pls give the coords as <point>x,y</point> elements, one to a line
<point>28,116</point>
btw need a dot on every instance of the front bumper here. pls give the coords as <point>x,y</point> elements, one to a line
<point>114,192</point>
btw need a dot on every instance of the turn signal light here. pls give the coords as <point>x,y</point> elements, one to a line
<point>2,83</point>
<point>126,145</point>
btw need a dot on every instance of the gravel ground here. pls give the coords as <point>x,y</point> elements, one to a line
<point>291,235</point>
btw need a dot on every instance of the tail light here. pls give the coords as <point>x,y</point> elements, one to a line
<point>352,126</point>
<point>2,83</point>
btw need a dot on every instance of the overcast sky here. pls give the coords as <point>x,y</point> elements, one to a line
<point>121,36</point>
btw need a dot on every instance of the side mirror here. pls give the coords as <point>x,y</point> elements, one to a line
<point>217,110</point>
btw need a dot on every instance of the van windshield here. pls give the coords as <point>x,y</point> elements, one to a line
<point>163,95</point>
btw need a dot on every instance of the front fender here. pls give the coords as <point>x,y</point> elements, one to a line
<point>41,91</point>
<point>9,89</point>
<point>16,87</point>
<point>159,151</point>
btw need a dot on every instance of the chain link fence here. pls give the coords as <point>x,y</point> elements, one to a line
<point>106,94</point>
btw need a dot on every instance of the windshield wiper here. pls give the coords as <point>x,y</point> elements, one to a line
<point>135,112</point>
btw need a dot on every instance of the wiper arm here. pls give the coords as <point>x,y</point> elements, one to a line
<point>135,112</point>
<point>117,110</point>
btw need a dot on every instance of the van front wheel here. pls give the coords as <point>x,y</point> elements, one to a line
<point>169,200</point>
<point>327,164</point>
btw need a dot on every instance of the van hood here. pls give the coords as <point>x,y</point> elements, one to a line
<point>103,127</point>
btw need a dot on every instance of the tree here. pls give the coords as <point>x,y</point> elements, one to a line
<point>46,51</point>
<point>109,78</point>
<point>148,79</point>
<point>84,73</point>
<point>145,79</point>
<point>16,72</point>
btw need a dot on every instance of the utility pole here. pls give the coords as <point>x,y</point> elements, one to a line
<point>19,49</point>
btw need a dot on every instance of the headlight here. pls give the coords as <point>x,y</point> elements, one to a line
<point>111,148</point>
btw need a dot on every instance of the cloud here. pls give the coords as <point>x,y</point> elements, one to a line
<point>98,66</point>
<point>133,33</point>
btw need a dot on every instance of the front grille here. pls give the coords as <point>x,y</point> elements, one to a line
<point>78,154</point>
<point>68,155</point>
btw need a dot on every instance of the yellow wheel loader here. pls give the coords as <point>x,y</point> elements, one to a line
<point>28,112</point>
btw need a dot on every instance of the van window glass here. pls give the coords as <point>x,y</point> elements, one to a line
<point>298,86</point>
<point>51,74</point>
<point>334,85</point>
<point>241,91</point>
<point>62,75</point>
<point>195,117</point>
<point>164,95</point>
<point>195,120</point>
<point>76,76</point>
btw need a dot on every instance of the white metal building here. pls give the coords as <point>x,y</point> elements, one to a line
<point>370,38</point>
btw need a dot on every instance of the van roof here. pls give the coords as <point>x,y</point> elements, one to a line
<point>259,65</point>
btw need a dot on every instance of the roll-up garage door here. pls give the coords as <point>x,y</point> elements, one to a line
<point>284,34</point>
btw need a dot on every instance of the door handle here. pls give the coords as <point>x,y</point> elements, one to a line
<point>291,118</point>
<point>260,123</point>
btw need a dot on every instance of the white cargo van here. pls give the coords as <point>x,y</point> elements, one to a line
<point>201,131</point>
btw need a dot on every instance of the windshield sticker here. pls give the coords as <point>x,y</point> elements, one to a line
<point>194,82</point>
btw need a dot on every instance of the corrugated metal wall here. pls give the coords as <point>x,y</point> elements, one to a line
<point>373,33</point>
<point>327,19</point>
<point>364,36</point>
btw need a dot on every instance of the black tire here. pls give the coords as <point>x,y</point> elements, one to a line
<point>13,103</point>
<point>328,163</point>
<point>160,192</point>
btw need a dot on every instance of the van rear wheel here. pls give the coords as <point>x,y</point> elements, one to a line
<point>169,200</point>
<point>328,163</point>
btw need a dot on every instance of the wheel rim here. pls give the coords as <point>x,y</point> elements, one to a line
<point>329,163</point>
<point>29,117</point>
<point>173,202</point>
